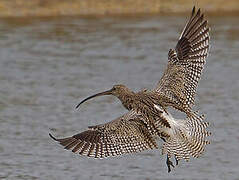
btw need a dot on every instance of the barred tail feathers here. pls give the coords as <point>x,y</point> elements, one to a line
<point>187,138</point>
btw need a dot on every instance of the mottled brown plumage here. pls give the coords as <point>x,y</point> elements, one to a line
<point>148,117</point>
<point>125,134</point>
<point>178,85</point>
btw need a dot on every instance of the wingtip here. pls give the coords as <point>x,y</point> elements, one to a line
<point>52,137</point>
<point>193,11</point>
<point>199,12</point>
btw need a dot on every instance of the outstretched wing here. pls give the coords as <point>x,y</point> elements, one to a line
<point>180,80</point>
<point>126,134</point>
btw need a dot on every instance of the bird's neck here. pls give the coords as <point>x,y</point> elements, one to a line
<point>127,99</point>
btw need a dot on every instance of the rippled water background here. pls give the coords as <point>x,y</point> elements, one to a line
<point>47,65</point>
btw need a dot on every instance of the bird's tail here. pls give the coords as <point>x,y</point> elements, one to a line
<point>188,138</point>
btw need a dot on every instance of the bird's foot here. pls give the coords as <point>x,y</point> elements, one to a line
<point>176,160</point>
<point>169,163</point>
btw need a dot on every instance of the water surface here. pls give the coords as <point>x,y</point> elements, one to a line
<point>47,65</point>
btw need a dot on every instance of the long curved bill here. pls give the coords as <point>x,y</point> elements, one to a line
<point>109,92</point>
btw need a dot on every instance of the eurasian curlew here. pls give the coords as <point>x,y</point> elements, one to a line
<point>148,117</point>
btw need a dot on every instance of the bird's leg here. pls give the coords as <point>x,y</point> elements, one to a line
<point>169,163</point>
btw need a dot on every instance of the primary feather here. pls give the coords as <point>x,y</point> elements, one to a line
<point>179,83</point>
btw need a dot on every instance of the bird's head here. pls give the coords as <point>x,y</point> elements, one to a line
<point>117,91</point>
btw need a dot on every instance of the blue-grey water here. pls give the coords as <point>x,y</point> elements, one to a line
<point>47,65</point>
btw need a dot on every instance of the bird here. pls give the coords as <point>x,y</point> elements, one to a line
<point>148,118</point>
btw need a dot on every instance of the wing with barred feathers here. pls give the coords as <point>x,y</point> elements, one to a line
<point>126,134</point>
<point>180,80</point>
